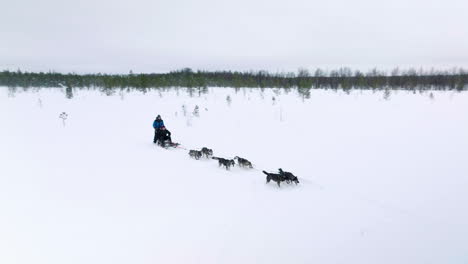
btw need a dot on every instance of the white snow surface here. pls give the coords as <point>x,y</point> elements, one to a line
<point>381,181</point>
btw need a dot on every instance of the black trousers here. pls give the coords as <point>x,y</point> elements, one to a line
<point>161,136</point>
<point>155,135</point>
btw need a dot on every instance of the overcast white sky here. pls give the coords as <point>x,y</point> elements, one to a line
<point>159,36</point>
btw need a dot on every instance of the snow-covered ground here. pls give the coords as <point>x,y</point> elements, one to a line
<point>382,181</point>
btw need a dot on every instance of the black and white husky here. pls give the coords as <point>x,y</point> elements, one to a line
<point>195,154</point>
<point>225,162</point>
<point>243,162</point>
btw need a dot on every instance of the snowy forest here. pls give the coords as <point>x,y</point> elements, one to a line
<point>343,78</point>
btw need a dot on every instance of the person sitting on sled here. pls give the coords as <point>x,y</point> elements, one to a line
<point>163,135</point>
<point>157,124</point>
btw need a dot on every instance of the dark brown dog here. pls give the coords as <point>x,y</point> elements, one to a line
<point>288,176</point>
<point>278,178</point>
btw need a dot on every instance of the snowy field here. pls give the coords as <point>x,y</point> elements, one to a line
<point>384,178</point>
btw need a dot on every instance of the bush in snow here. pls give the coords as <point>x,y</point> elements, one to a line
<point>64,117</point>
<point>196,111</point>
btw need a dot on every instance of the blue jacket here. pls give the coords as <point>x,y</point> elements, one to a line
<point>157,124</point>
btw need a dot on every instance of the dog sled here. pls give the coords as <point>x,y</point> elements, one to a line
<point>168,144</point>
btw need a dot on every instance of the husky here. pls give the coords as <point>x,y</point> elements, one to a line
<point>243,162</point>
<point>195,154</point>
<point>288,176</point>
<point>207,152</point>
<point>278,178</point>
<point>225,162</point>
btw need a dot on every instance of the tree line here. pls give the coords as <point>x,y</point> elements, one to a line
<point>343,78</point>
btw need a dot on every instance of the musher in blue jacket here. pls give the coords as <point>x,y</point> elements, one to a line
<point>160,132</point>
<point>158,123</point>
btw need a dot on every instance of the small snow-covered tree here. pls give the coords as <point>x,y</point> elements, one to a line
<point>387,94</point>
<point>64,117</point>
<point>196,111</point>
<point>184,110</point>
<point>69,92</point>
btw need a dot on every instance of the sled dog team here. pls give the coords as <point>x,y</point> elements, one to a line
<point>162,137</point>
<point>282,176</point>
<point>227,163</point>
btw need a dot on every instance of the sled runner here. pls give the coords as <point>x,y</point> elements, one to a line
<point>168,144</point>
